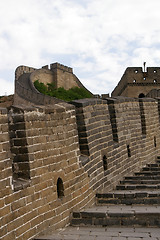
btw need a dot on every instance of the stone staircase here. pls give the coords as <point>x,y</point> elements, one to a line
<point>135,202</point>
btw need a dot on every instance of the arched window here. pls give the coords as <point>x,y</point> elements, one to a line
<point>60,188</point>
<point>141,95</point>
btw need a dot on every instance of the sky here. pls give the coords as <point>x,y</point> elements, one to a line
<point>99,39</point>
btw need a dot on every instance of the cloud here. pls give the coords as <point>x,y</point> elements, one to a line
<point>99,39</point>
<point>7,87</point>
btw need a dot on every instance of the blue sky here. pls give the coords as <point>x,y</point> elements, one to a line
<point>99,39</point>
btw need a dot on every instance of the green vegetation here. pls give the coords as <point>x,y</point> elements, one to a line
<point>61,93</point>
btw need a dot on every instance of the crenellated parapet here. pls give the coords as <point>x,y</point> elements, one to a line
<point>59,66</point>
<point>54,158</point>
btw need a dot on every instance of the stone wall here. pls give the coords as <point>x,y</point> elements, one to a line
<point>111,131</point>
<point>26,93</point>
<point>48,139</point>
<point>6,192</point>
<point>21,70</point>
<point>55,158</point>
<point>28,97</point>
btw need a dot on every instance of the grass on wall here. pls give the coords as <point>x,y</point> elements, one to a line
<point>61,93</point>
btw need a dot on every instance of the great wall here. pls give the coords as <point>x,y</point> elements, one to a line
<point>57,158</point>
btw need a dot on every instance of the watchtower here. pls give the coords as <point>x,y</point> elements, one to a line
<point>138,82</point>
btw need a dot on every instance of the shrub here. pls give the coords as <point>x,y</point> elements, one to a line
<point>66,95</point>
<point>41,87</point>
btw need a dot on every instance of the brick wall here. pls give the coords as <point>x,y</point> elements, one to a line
<point>49,140</point>
<point>55,158</point>
<point>111,129</point>
<point>95,137</point>
<point>6,197</point>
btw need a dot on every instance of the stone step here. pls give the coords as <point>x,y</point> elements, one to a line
<point>151,169</point>
<point>153,165</point>
<point>99,233</point>
<point>140,181</point>
<point>148,216</point>
<point>148,173</point>
<point>129,197</point>
<point>151,177</point>
<point>137,186</point>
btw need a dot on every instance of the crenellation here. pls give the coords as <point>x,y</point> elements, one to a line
<point>61,67</point>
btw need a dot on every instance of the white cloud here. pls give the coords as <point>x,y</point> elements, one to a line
<point>7,87</point>
<point>101,38</point>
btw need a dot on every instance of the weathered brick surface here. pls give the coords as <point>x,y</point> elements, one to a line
<point>114,128</point>
<point>40,145</point>
<point>43,143</point>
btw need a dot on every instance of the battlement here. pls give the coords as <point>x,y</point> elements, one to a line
<point>54,66</point>
<point>25,69</point>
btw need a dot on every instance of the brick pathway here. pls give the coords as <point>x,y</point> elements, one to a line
<point>105,233</point>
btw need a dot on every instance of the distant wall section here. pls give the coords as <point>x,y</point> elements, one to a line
<point>58,74</point>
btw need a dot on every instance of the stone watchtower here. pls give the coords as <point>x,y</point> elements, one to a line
<point>60,75</point>
<point>136,82</point>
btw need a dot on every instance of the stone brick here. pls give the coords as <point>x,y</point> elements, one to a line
<point>22,229</point>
